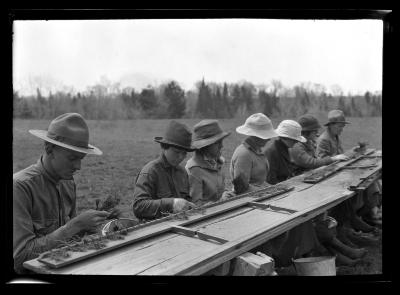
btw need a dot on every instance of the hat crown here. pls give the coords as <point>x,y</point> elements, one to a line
<point>259,121</point>
<point>289,128</point>
<point>308,122</point>
<point>206,129</point>
<point>179,134</point>
<point>336,116</point>
<point>72,129</point>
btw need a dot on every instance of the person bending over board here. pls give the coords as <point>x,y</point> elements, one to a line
<point>206,177</point>
<point>365,203</point>
<point>44,194</point>
<point>162,186</point>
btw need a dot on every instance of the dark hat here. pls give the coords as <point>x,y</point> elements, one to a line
<point>177,135</point>
<point>69,131</point>
<point>207,132</point>
<point>336,116</point>
<point>308,123</point>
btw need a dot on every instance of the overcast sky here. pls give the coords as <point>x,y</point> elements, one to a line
<point>78,53</point>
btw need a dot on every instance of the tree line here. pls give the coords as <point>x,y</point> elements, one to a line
<point>207,100</point>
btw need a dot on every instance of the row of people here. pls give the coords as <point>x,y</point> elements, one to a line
<point>44,194</point>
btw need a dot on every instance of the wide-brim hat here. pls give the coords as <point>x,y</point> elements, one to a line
<point>177,135</point>
<point>308,123</point>
<point>69,131</point>
<point>207,132</point>
<point>290,129</point>
<point>336,116</point>
<point>258,125</point>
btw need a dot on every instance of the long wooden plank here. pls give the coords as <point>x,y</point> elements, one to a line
<point>234,248</point>
<point>365,175</point>
<point>162,227</point>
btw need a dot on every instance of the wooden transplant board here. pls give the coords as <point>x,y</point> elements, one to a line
<point>199,244</point>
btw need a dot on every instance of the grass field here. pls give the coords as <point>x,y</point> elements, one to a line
<point>129,145</point>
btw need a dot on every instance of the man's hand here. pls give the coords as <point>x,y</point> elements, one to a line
<point>181,205</point>
<point>227,195</point>
<point>340,157</point>
<point>88,220</point>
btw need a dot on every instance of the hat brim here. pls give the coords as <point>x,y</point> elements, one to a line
<point>326,124</point>
<point>91,150</point>
<point>300,138</point>
<point>198,144</point>
<point>162,140</point>
<point>264,134</point>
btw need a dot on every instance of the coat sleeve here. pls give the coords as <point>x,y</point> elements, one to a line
<point>272,176</point>
<point>146,203</point>
<point>241,167</point>
<point>27,244</point>
<point>324,148</point>
<point>301,158</point>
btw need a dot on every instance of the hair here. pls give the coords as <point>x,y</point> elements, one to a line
<point>306,133</point>
<point>48,146</point>
<point>164,146</point>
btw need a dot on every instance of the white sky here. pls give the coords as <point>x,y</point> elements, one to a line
<point>79,52</point>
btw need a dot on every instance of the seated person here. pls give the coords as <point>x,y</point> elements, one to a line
<point>206,177</point>
<point>162,186</point>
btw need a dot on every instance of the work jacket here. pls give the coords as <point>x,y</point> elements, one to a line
<point>280,166</point>
<point>303,156</point>
<point>157,184</point>
<point>206,179</point>
<point>328,145</point>
<point>42,205</point>
<point>250,163</point>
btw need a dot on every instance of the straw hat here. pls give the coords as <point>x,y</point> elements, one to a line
<point>336,116</point>
<point>207,132</point>
<point>258,125</point>
<point>290,129</point>
<point>308,123</point>
<point>177,135</point>
<point>71,132</point>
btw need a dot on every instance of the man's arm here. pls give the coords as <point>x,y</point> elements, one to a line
<point>303,159</point>
<point>146,203</point>
<point>324,148</point>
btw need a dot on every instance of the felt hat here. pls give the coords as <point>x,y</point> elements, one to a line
<point>177,135</point>
<point>258,125</point>
<point>290,129</point>
<point>70,131</point>
<point>308,123</point>
<point>207,132</point>
<point>336,116</point>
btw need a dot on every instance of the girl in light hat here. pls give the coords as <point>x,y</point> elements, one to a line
<point>249,164</point>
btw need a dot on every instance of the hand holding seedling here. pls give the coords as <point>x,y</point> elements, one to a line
<point>181,205</point>
<point>340,157</point>
<point>88,220</point>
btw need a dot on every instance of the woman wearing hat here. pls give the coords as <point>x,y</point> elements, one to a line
<point>249,165</point>
<point>44,194</point>
<point>302,239</point>
<point>303,155</point>
<point>206,178</point>
<point>329,144</point>
<point>162,186</point>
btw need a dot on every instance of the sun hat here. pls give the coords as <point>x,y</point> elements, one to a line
<point>290,129</point>
<point>258,125</point>
<point>177,135</point>
<point>207,132</point>
<point>70,131</point>
<point>308,123</point>
<point>336,116</point>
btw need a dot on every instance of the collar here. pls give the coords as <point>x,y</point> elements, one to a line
<point>251,145</point>
<point>48,174</point>
<point>206,162</point>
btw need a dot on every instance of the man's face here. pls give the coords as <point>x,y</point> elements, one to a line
<point>337,128</point>
<point>174,155</point>
<point>289,142</point>
<point>313,135</point>
<point>214,150</point>
<point>66,162</point>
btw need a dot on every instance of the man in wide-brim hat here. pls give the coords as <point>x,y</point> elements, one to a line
<point>249,165</point>
<point>206,177</point>
<point>162,186</point>
<point>44,194</point>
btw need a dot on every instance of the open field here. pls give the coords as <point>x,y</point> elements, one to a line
<point>129,145</point>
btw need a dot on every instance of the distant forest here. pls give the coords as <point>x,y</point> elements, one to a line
<point>208,100</point>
